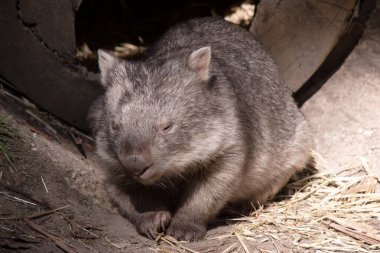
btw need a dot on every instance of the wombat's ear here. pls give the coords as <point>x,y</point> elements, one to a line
<point>199,61</point>
<point>106,62</point>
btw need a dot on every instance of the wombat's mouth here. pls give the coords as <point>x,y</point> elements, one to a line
<point>148,176</point>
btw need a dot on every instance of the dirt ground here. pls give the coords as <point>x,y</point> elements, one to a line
<point>50,172</point>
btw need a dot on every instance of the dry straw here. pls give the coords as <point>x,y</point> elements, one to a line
<point>322,212</point>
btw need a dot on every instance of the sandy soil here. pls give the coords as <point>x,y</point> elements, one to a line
<point>344,114</point>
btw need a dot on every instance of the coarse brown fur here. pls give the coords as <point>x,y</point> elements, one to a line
<point>201,121</point>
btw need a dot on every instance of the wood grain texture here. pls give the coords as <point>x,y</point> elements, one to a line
<point>37,57</point>
<point>300,34</point>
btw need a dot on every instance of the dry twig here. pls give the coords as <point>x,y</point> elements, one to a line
<point>57,240</point>
<point>36,215</point>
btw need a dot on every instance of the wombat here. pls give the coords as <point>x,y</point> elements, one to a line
<point>200,122</point>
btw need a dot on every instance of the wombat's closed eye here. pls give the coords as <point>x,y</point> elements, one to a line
<point>202,121</point>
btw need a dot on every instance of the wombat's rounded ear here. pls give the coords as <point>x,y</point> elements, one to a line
<point>106,62</point>
<point>199,62</point>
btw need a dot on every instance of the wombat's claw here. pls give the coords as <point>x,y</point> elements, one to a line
<point>153,223</point>
<point>187,231</point>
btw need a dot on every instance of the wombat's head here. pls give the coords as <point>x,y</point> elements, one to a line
<point>158,119</point>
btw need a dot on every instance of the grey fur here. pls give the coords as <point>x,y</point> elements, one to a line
<point>212,131</point>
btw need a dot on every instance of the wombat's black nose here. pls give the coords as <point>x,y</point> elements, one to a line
<point>136,164</point>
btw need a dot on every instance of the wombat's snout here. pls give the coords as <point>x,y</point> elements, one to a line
<point>136,164</point>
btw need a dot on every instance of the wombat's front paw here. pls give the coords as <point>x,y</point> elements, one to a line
<point>186,230</point>
<point>151,224</point>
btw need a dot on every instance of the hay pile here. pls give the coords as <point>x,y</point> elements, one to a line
<point>325,212</point>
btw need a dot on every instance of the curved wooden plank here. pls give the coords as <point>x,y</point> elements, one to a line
<point>300,34</point>
<point>37,57</point>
